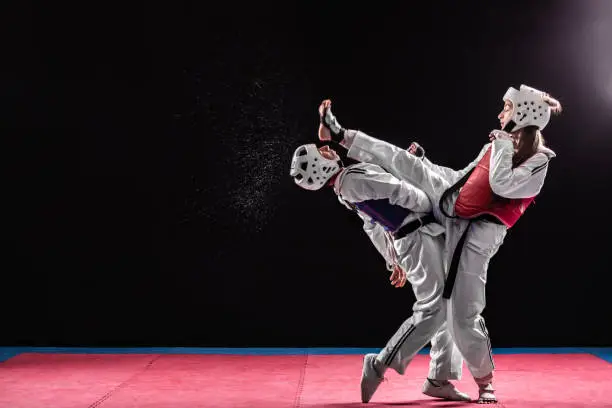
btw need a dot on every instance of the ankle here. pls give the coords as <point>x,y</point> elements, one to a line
<point>379,367</point>
<point>484,381</point>
<point>437,383</point>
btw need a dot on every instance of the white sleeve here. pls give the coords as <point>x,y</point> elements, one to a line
<point>360,184</point>
<point>523,181</point>
<point>376,233</point>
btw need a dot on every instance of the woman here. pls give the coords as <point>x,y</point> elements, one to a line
<point>476,205</point>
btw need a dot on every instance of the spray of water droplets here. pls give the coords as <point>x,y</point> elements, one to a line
<point>260,156</point>
<point>250,117</point>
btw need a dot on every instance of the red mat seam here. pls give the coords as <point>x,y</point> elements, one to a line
<point>297,402</point>
<point>124,383</point>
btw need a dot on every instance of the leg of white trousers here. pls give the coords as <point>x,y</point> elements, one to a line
<point>468,297</point>
<point>412,169</point>
<point>408,167</point>
<point>446,361</point>
<point>422,258</point>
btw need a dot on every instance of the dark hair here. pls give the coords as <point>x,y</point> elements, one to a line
<point>530,137</point>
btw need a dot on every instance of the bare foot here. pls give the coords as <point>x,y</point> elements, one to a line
<point>324,133</point>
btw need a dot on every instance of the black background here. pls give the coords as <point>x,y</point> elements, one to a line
<point>148,200</point>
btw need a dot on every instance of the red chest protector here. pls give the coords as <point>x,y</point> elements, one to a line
<point>476,197</point>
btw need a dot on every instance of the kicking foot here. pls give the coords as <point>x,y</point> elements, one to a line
<point>444,389</point>
<point>324,133</point>
<point>329,128</point>
<point>487,394</point>
<point>370,378</point>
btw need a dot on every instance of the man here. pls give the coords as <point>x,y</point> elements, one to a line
<point>398,221</point>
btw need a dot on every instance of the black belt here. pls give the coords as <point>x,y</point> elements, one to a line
<point>454,266</point>
<point>413,226</point>
<point>489,218</point>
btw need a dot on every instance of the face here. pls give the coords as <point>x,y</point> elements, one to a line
<point>328,153</point>
<point>506,114</point>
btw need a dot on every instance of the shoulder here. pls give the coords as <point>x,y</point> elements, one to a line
<point>546,152</point>
<point>537,162</point>
<point>362,175</point>
<point>541,156</point>
<point>484,149</point>
<point>363,169</point>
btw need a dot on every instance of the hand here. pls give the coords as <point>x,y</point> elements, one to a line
<point>500,134</point>
<point>324,133</point>
<point>398,277</point>
<point>416,149</point>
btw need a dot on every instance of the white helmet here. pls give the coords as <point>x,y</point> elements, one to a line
<point>530,108</point>
<point>309,169</point>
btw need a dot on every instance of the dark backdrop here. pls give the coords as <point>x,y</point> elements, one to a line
<point>148,200</point>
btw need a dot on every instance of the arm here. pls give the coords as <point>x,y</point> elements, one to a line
<point>385,247</point>
<point>523,181</point>
<point>373,183</point>
<point>376,233</point>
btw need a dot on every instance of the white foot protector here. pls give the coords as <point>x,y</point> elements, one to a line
<point>487,394</point>
<point>444,389</point>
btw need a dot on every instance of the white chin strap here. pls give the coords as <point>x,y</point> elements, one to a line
<point>529,108</point>
<point>309,169</point>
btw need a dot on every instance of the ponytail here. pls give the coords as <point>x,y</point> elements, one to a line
<point>555,105</point>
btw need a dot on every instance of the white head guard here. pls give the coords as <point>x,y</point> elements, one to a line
<point>309,169</point>
<point>530,108</point>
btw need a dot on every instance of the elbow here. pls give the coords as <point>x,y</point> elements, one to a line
<point>502,188</point>
<point>498,189</point>
<point>515,191</point>
<point>497,186</point>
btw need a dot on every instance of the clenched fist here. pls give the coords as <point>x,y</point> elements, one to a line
<point>398,276</point>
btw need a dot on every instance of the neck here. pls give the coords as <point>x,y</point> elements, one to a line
<point>333,178</point>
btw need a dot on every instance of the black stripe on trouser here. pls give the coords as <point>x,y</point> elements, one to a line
<point>454,266</point>
<point>486,333</point>
<point>399,345</point>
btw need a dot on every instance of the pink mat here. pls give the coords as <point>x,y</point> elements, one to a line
<point>194,381</point>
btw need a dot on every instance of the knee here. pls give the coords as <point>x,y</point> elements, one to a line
<point>433,307</point>
<point>467,310</point>
<point>466,319</point>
